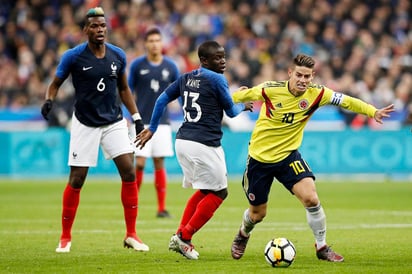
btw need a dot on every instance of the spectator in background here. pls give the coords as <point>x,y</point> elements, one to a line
<point>342,27</point>
<point>149,75</point>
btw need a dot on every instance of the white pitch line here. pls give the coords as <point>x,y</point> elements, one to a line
<point>218,227</point>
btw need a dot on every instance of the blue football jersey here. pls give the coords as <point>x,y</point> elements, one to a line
<point>148,81</point>
<point>205,95</point>
<point>95,82</point>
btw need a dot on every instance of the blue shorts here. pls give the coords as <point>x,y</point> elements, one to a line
<point>258,177</point>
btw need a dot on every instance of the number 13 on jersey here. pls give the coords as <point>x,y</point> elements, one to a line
<point>190,99</point>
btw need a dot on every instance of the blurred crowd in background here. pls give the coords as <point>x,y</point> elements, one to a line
<point>362,48</point>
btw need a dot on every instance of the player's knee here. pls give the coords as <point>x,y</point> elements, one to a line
<point>310,201</point>
<point>257,215</point>
<point>77,177</point>
<point>222,194</point>
<point>76,181</point>
<point>139,167</point>
<point>257,218</point>
<point>128,177</point>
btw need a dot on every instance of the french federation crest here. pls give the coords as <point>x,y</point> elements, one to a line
<point>165,74</point>
<point>303,104</point>
<point>113,67</point>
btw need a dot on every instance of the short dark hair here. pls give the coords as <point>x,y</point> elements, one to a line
<point>206,48</point>
<point>303,60</point>
<point>150,31</point>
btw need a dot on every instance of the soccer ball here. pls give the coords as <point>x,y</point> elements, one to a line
<point>280,252</point>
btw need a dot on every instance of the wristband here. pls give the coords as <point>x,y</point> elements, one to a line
<point>136,116</point>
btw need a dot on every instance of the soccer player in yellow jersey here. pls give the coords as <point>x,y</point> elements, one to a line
<point>273,149</point>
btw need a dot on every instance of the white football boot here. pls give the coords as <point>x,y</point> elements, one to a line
<point>64,247</point>
<point>131,242</point>
<point>186,249</point>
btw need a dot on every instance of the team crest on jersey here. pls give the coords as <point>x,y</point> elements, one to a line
<point>165,74</point>
<point>303,104</point>
<point>113,67</point>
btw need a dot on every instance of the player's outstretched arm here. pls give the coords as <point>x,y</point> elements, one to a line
<point>383,113</point>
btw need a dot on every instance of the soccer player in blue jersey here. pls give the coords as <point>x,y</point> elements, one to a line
<point>98,74</point>
<point>149,76</point>
<point>273,148</point>
<point>205,95</point>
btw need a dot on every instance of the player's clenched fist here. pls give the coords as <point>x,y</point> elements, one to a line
<point>46,108</point>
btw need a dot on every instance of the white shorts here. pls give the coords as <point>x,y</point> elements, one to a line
<point>161,144</point>
<point>85,142</point>
<point>203,167</point>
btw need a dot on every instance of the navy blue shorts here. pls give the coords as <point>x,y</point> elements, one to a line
<point>258,177</point>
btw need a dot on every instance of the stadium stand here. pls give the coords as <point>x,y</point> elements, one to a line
<point>362,48</point>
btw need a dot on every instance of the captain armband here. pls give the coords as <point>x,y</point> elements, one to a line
<point>336,99</point>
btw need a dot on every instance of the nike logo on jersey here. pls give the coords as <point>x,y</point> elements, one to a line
<point>86,68</point>
<point>144,71</point>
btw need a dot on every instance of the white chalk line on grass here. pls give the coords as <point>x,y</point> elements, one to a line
<point>269,226</point>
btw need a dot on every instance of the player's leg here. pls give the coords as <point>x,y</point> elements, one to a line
<point>305,190</point>
<point>129,198</point>
<point>256,183</point>
<point>204,211</point>
<point>117,146</point>
<point>188,212</point>
<point>160,183</point>
<point>141,156</point>
<point>251,216</point>
<point>128,194</point>
<point>71,200</point>
<point>204,168</point>
<point>161,147</point>
<point>139,171</point>
<point>190,208</point>
<point>83,152</point>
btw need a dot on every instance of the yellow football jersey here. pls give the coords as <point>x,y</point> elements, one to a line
<point>282,118</point>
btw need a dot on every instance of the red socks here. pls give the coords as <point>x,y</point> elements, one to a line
<point>71,198</point>
<point>130,202</point>
<point>198,210</point>
<point>139,178</point>
<point>160,185</point>
<point>190,208</point>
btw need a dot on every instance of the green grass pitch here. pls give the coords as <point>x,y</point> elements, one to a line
<point>369,223</point>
